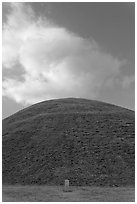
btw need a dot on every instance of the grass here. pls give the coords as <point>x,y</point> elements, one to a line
<point>85,141</point>
<point>43,193</point>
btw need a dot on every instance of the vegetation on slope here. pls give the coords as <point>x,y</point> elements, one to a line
<point>88,142</point>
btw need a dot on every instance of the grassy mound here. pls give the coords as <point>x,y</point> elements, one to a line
<point>85,141</point>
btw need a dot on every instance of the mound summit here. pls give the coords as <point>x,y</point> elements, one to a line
<point>88,142</point>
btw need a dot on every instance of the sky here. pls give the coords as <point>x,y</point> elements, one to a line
<point>72,49</point>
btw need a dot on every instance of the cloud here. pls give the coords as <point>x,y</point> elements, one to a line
<point>128,80</point>
<point>56,62</point>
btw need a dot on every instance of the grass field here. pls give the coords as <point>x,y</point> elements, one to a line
<point>16,193</point>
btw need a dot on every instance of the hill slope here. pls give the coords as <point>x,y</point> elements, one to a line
<point>88,142</point>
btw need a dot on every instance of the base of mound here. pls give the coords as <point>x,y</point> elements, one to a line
<point>44,193</point>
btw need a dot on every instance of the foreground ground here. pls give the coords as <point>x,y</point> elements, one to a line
<point>44,193</point>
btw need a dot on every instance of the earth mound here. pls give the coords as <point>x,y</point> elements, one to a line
<point>88,142</point>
